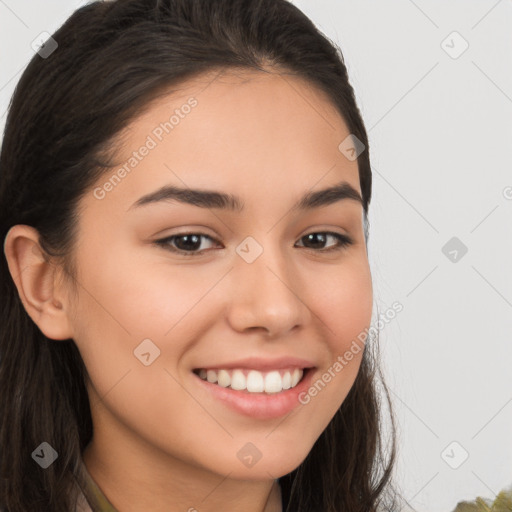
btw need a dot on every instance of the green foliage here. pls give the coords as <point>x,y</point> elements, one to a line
<point>502,503</point>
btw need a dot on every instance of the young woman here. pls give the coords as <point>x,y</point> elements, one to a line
<point>186,294</point>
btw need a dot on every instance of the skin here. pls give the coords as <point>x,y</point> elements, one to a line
<point>161,442</point>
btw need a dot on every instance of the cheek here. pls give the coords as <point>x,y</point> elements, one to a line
<point>122,303</point>
<point>345,303</point>
<point>344,310</point>
<point>126,301</point>
<point>137,297</point>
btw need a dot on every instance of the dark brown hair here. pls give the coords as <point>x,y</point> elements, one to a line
<point>113,58</point>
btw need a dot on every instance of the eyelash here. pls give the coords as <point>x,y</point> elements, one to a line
<point>343,242</point>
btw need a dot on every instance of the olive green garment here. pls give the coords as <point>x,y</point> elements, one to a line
<point>103,504</point>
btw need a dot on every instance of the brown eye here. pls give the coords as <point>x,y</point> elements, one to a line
<point>188,244</point>
<point>184,243</point>
<point>318,239</point>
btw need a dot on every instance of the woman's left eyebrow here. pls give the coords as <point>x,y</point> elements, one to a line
<point>220,200</point>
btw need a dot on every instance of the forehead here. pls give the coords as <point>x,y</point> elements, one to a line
<point>249,132</point>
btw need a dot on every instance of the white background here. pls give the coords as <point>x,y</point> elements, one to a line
<point>440,133</point>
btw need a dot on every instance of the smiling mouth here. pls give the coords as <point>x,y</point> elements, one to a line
<point>254,381</point>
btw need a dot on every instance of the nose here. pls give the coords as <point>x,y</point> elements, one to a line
<point>266,295</point>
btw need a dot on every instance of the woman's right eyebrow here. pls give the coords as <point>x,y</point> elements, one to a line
<point>204,198</point>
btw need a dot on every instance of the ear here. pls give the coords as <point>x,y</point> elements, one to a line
<point>36,278</point>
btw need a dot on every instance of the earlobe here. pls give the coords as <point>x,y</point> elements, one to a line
<point>36,279</point>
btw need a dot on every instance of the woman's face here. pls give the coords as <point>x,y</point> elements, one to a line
<point>252,289</point>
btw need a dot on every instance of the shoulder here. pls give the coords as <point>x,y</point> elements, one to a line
<point>81,504</point>
<point>78,497</point>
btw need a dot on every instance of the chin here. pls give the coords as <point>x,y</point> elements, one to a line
<point>271,468</point>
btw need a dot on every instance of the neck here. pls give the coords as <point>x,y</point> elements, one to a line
<point>130,486</point>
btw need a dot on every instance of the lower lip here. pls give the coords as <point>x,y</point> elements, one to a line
<point>260,405</point>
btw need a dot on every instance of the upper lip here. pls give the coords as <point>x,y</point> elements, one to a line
<point>261,364</point>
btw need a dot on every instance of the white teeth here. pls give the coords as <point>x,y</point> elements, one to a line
<point>238,380</point>
<point>287,380</point>
<point>224,379</point>
<point>254,381</point>
<point>273,382</point>
<point>297,375</point>
<point>211,375</point>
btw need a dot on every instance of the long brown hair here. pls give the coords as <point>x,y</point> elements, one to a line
<point>114,57</point>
